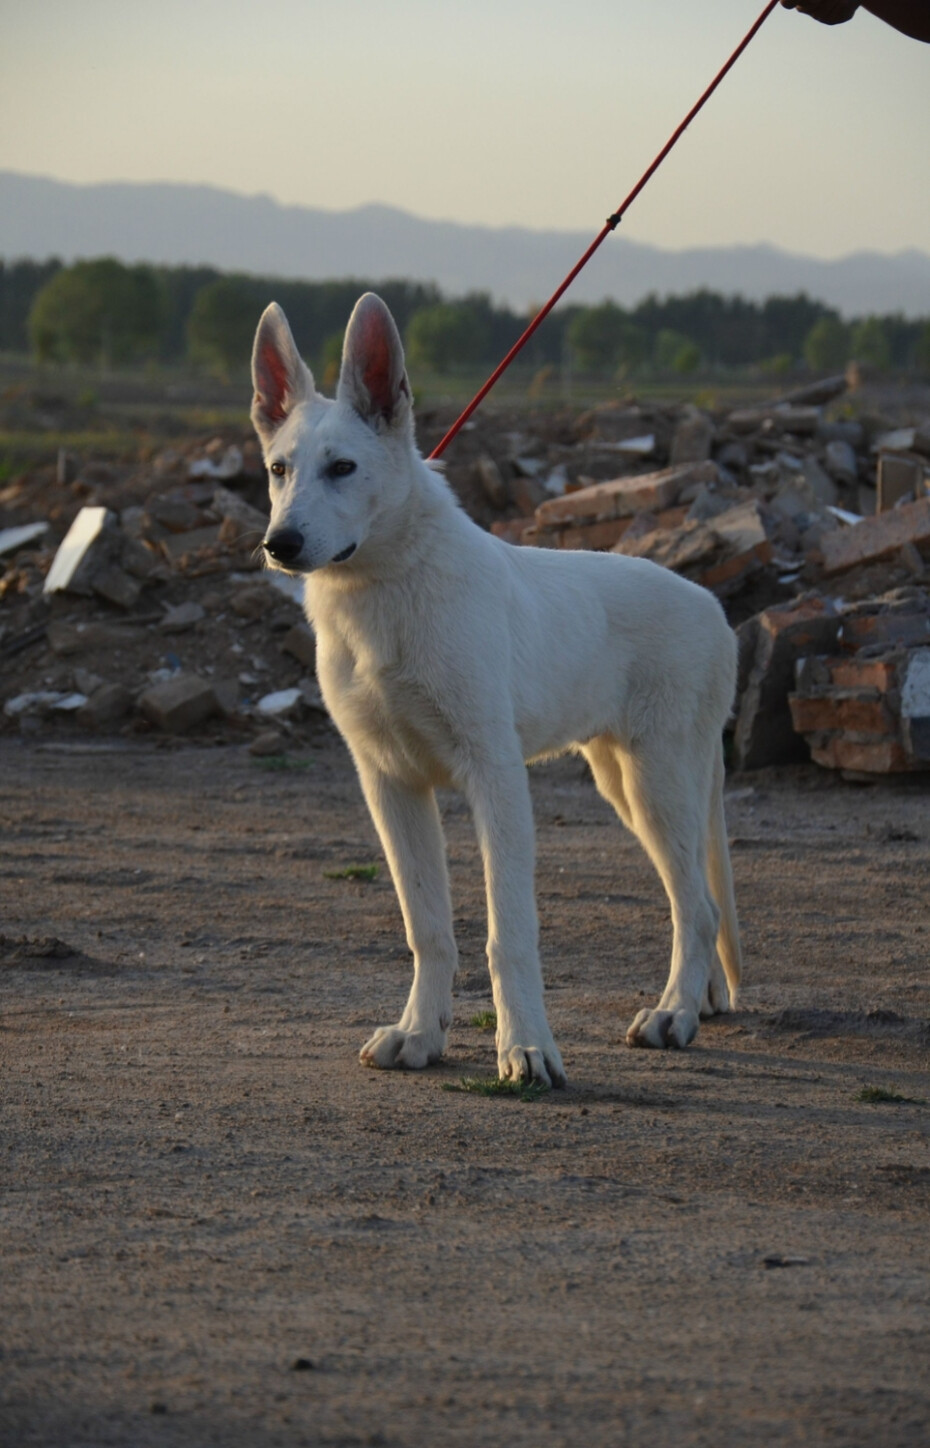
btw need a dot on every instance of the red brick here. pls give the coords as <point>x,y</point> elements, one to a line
<point>860,712</point>
<point>764,731</point>
<point>876,538</point>
<point>867,756</point>
<point>802,624</point>
<point>594,535</point>
<point>512,530</point>
<point>890,628</point>
<point>856,673</point>
<point>732,568</point>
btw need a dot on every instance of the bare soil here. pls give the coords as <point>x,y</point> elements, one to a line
<point>217,1228</point>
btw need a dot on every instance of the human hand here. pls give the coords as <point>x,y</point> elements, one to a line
<point>828,12</point>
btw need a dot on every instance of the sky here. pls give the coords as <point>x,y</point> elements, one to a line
<point>497,112</point>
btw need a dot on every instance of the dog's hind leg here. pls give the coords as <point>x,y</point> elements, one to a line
<point>409,826</point>
<point>500,803</point>
<point>667,790</point>
<point>603,756</point>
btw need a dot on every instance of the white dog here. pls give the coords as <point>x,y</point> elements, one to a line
<point>448,657</point>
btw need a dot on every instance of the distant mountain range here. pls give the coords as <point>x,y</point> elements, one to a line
<point>178,224</point>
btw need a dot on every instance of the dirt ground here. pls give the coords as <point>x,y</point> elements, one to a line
<point>217,1228</point>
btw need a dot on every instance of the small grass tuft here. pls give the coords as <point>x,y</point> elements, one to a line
<point>879,1094</point>
<point>493,1086</point>
<point>352,872</point>
<point>484,1021</point>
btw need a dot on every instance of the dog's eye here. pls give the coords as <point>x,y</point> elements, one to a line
<point>341,468</point>
<point>279,469</point>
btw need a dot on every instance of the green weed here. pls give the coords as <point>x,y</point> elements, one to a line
<point>484,1021</point>
<point>352,872</point>
<point>878,1094</point>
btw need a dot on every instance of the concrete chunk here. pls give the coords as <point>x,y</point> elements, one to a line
<point>176,545</point>
<point>178,704</point>
<point>114,584</point>
<point>300,643</point>
<point>182,616</point>
<point>898,475</point>
<point>106,705</point>
<point>692,439</point>
<point>279,705</point>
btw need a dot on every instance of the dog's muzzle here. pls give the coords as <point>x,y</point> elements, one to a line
<point>285,546</point>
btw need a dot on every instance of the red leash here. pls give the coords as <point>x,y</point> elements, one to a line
<point>610,225</point>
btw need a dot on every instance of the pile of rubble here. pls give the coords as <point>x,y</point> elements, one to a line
<point>153,613</point>
<point>134,600</point>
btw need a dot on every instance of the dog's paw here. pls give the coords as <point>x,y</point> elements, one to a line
<point>392,1048</point>
<point>531,1063</point>
<point>662,1030</point>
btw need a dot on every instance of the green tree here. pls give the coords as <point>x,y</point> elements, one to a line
<point>330,355</point>
<point>870,343</point>
<point>826,346</point>
<point>222,322</point>
<point>674,352</point>
<point>786,321</point>
<point>447,336</point>
<point>602,339</point>
<point>20,283</point>
<point>99,312</point>
<point>922,350</point>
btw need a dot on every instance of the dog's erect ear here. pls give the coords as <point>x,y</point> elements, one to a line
<point>373,379</point>
<point>279,375</point>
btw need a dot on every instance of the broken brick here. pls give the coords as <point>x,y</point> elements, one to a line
<point>512,530</point>
<point>876,538</point>
<point>764,732</point>
<point>865,756</point>
<point>622,497</point>
<point>860,711</point>
<point>603,534</point>
<point>859,673</point>
<point>871,629</point>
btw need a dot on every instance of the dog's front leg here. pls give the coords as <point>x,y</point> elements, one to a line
<point>408,824</point>
<point>500,802</point>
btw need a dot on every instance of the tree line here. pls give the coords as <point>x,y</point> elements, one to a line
<point>106,313</point>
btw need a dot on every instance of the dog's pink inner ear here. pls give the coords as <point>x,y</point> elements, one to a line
<point>272,382</point>
<point>376,352</point>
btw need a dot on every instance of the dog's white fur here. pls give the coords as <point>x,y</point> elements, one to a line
<point>448,657</point>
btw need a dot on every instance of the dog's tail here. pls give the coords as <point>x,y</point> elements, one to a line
<point>720,877</point>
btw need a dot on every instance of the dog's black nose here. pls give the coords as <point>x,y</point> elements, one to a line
<point>284,546</point>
